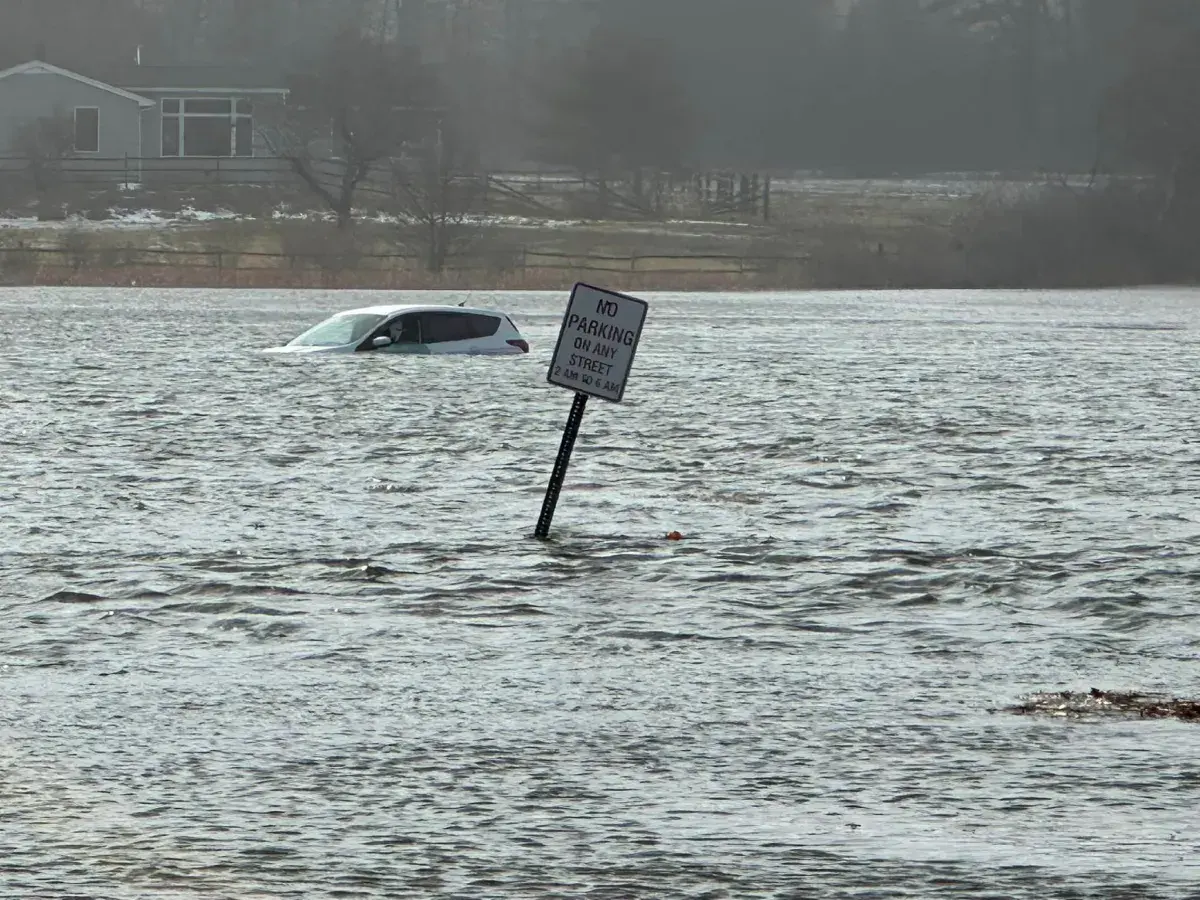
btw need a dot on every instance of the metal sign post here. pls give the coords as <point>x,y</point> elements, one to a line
<point>593,356</point>
<point>559,474</point>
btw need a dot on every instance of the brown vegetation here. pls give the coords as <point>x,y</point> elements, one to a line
<point>1077,238</point>
<point>1069,704</point>
<point>209,277</point>
<point>1045,236</point>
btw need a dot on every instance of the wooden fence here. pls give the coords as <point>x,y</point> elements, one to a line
<point>537,193</point>
<point>227,266</point>
<point>99,171</point>
<point>21,254</point>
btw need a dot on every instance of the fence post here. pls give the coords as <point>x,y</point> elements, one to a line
<point>766,198</point>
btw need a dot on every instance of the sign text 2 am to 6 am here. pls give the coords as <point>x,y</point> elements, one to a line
<point>598,340</point>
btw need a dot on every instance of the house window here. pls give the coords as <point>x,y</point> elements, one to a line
<point>207,127</point>
<point>87,129</point>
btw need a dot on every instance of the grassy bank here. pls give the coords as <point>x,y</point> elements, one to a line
<point>852,248</point>
<point>830,235</point>
<point>535,280</point>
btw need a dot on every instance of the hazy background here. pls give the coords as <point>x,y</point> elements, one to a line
<point>679,110</point>
<point>866,87</point>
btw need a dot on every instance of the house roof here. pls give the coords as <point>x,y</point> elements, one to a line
<point>37,67</point>
<point>223,79</point>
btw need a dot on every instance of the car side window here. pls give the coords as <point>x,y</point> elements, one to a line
<point>405,330</point>
<point>440,327</point>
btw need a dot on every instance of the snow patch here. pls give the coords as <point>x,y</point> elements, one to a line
<point>191,214</point>
<point>141,218</point>
<point>132,219</point>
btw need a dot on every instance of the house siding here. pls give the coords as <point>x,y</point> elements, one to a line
<point>130,134</point>
<point>27,97</point>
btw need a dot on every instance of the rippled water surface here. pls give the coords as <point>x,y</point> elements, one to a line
<point>276,627</point>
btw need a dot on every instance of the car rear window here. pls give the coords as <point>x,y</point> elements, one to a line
<point>485,326</point>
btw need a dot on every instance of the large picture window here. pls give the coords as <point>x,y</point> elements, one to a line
<point>207,127</point>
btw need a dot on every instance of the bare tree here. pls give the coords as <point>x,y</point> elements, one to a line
<point>44,143</point>
<point>86,37</point>
<point>1022,30</point>
<point>1152,115</point>
<point>251,31</point>
<point>615,107</point>
<point>437,191</point>
<point>361,106</point>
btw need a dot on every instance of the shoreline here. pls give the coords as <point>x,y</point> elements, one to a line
<point>266,279</point>
<point>555,279</point>
<point>1016,236</point>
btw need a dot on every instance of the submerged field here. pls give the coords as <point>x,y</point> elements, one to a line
<point>277,627</point>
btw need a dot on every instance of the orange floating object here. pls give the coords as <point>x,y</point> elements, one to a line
<point>674,536</point>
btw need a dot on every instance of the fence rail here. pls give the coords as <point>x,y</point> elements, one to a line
<point>717,193</point>
<point>16,257</point>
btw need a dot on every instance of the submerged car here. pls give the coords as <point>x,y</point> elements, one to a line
<point>412,329</point>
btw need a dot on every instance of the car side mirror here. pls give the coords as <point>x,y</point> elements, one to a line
<point>382,341</point>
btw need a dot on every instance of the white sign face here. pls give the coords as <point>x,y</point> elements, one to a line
<point>599,336</point>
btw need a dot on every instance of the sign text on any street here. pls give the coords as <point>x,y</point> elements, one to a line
<point>594,354</point>
<point>598,340</point>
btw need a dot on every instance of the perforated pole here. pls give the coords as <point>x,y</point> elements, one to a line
<point>570,433</point>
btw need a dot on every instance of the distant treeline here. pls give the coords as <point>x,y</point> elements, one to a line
<point>846,86</point>
<point>631,94</point>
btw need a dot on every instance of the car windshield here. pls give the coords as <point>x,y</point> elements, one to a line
<point>339,331</point>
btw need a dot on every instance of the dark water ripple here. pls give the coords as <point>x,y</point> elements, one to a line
<point>275,628</point>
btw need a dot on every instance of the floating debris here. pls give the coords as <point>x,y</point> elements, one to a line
<point>1112,703</point>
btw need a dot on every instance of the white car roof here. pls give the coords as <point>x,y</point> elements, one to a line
<point>391,310</point>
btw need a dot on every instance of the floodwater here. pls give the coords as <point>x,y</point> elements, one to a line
<point>276,627</point>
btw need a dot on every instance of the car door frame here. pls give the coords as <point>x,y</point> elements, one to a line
<point>385,328</point>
